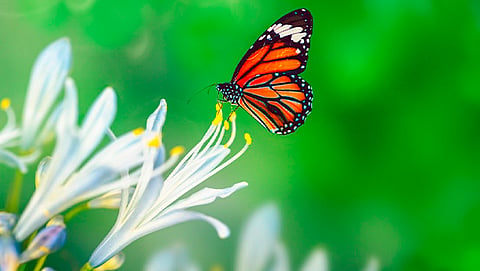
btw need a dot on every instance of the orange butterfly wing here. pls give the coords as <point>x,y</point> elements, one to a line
<point>282,48</point>
<point>279,103</point>
<point>266,82</point>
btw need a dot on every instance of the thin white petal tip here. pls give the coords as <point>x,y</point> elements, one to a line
<point>163,102</point>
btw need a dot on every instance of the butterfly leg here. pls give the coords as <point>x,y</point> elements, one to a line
<point>220,100</point>
<point>232,110</point>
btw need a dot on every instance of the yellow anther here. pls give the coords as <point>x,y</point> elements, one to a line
<point>218,118</point>
<point>233,116</point>
<point>46,213</point>
<point>226,124</point>
<point>217,267</point>
<point>218,107</point>
<point>248,138</point>
<point>5,103</point>
<point>138,131</point>
<point>178,150</point>
<point>56,221</point>
<point>44,249</point>
<point>155,142</point>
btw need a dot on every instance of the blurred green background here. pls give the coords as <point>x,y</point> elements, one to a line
<point>387,164</point>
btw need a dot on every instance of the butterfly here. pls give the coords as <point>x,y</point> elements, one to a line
<point>266,83</point>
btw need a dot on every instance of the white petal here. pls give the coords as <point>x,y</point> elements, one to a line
<point>10,159</point>
<point>113,263</point>
<point>258,239</point>
<point>48,74</point>
<point>280,258</point>
<point>121,154</point>
<point>146,191</point>
<point>172,259</point>
<point>205,196</point>
<point>7,221</point>
<point>110,200</point>
<point>68,117</point>
<point>98,120</point>
<point>317,261</point>
<point>181,216</point>
<point>193,174</point>
<point>156,120</point>
<point>10,126</point>
<point>48,131</point>
<point>8,254</point>
<point>30,220</point>
<point>42,170</point>
<point>80,183</point>
<point>122,237</point>
<point>372,265</point>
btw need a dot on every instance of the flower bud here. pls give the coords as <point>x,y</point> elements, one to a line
<point>48,240</point>
<point>8,253</point>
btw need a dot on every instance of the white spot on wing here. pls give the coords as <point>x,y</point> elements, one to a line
<point>298,36</point>
<point>283,28</point>
<point>277,26</point>
<point>292,31</point>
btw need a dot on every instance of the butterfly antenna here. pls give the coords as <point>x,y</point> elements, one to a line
<point>200,90</point>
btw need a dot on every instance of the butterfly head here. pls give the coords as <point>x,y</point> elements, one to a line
<point>231,92</point>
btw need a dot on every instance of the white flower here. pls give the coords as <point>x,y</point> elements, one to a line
<point>157,204</point>
<point>46,80</point>
<point>317,261</point>
<point>8,251</point>
<point>261,249</point>
<point>372,265</point>
<point>110,200</point>
<point>48,75</point>
<point>175,258</point>
<point>9,137</point>
<point>68,178</point>
<point>259,239</point>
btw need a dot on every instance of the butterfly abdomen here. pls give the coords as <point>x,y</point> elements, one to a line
<point>231,92</point>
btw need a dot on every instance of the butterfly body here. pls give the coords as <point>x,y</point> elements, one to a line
<point>266,82</point>
<point>231,92</point>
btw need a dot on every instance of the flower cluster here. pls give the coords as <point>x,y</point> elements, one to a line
<point>90,167</point>
<point>46,81</point>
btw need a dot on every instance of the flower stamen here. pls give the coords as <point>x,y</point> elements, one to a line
<point>178,150</point>
<point>5,103</point>
<point>234,131</point>
<point>155,142</point>
<point>138,131</point>
<point>248,138</point>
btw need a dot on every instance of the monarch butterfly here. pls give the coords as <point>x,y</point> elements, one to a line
<point>266,82</point>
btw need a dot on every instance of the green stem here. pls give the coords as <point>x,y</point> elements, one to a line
<point>40,263</point>
<point>73,212</point>
<point>13,198</point>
